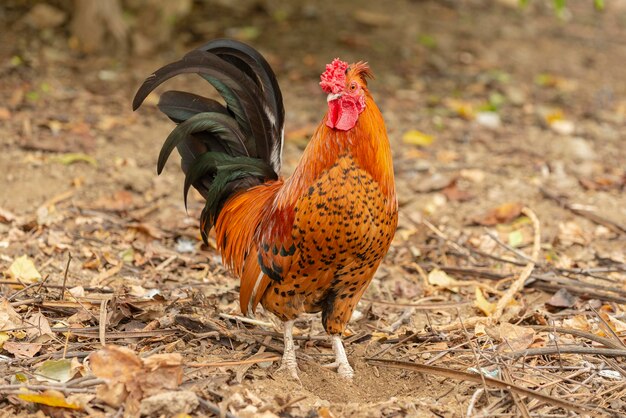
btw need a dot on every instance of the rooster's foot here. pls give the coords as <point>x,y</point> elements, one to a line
<point>289,364</point>
<point>341,359</point>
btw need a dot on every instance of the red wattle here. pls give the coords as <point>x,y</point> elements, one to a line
<point>342,114</point>
<point>333,113</point>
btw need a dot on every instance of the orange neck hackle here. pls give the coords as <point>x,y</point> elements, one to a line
<point>367,143</point>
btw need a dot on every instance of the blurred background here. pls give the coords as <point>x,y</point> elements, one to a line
<point>537,86</point>
<point>490,106</point>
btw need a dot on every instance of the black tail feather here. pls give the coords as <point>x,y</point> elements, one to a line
<point>221,126</point>
<point>180,106</point>
<point>251,62</point>
<point>223,148</point>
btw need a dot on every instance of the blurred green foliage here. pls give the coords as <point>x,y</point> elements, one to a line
<point>559,5</point>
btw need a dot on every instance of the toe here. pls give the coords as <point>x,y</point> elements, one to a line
<point>345,371</point>
<point>289,371</point>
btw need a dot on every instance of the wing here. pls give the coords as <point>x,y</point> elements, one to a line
<point>276,253</point>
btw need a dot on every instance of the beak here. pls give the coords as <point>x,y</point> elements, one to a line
<point>332,97</point>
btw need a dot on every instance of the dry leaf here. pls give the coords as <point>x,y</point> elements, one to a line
<point>434,182</point>
<point>50,398</point>
<point>418,138</point>
<point>324,412</point>
<point>515,238</point>
<point>4,337</point>
<point>5,114</point>
<point>147,229</point>
<point>461,108</point>
<point>129,378</point>
<point>473,174</point>
<point>170,403</point>
<point>515,337</point>
<point>6,216</point>
<point>374,19</point>
<point>23,269</point>
<point>454,194</point>
<point>21,350</point>
<point>480,329</point>
<point>115,363</point>
<point>9,319</point>
<point>483,304</point>
<point>571,233</point>
<point>119,366</point>
<point>502,214</point>
<point>163,371</point>
<point>38,326</point>
<point>615,324</point>
<point>577,322</point>
<point>77,291</point>
<point>605,182</point>
<point>562,299</point>
<point>119,201</point>
<point>440,278</point>
<point>75,157</point>
<point>55,371</point>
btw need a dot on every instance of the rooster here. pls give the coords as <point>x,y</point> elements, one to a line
<point>308,243</point>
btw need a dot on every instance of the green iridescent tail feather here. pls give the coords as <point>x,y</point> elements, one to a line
<point>224,148</point>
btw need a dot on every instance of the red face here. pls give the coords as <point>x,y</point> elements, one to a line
<point>346,99</point>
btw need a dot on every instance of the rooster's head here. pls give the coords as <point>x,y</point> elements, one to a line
<point>346,86</point>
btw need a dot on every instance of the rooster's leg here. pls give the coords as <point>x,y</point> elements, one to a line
<point>341,359</point>
<point>289,363</point>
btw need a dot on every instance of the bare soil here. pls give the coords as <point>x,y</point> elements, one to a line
<point>77,175</point>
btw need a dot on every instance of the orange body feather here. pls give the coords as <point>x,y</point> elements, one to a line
<point>309,243</point>
<point>313,242</point>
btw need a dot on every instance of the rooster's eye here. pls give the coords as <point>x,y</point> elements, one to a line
<point>353,86</point>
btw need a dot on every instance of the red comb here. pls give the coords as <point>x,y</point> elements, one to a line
<point>334,78</point>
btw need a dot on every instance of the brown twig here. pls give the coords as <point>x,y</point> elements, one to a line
<point>404,318</point>
<point>24,289</point>
<point>247,320</point>
<point>32,301</point>
<point>94,332</point>
<point>291,403</point>
<point>472,402</point>
<point>280,335</point>
<point>102,322</point>
<point>440,234</point>
<point>421,306</point>
<point>546,351</point>
<point>468,323</point>
<point>67,269</point>
<point>215,409</point>
<point>507,247</point>
<point>58,286</point>
<point>471,346</point>
<point>519,403</point>
<point>593,217</point>
<point>544,284</point>
<point>236,363</point>
<point>470,377</point>
<point>518,284</point>
<point>60,388</point>
<point>607,342</point>
<point>607,328</point>
<point>484,273</point>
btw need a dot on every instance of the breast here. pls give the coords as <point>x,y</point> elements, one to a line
<point>343,217</point>
<point>342,229</point>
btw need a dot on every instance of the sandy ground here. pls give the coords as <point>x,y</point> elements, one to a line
<point>514,101</point>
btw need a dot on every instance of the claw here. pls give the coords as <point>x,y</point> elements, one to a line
<point>341,363</point>
<point>291,370</point>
